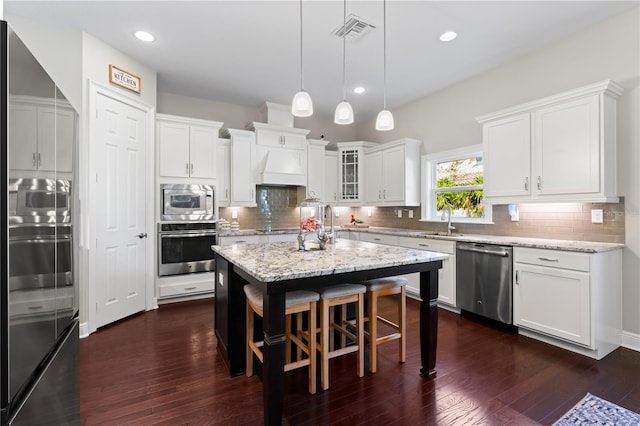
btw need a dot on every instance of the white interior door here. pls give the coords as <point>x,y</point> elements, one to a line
<point>120,278</point>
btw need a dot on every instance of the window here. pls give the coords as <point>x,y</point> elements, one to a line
<point>454,178</point>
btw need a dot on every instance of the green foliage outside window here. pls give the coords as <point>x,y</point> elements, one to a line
<point>470,201</point>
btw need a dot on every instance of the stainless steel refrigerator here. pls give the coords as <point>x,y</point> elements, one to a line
<point>39,349</point>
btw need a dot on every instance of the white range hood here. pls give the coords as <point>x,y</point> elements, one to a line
<point>282,167</point>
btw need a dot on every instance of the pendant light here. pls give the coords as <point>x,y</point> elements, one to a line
<point>384,121</point>
<point>301,106</point>
<point>344,112</point>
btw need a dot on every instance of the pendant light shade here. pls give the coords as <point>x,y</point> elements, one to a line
<point>384,121</point>
<point>301,106</point>
<point>344,112</point>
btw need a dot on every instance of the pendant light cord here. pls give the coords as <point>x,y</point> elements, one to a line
<point>344,51</point>
<point>384,53</point>
<point>301,81</point>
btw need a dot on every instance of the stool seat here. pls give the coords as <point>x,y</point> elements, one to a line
<point>340,290</point>
<point>384,283</point>
<point>254,294</point>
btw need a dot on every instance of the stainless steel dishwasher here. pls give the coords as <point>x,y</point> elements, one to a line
<point>484,280</point>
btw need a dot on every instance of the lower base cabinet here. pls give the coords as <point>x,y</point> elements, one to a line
<point>177,286</point>
<point>569,299</point>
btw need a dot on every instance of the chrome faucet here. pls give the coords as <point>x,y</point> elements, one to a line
<point>447,210</point>
<point>332,236</point>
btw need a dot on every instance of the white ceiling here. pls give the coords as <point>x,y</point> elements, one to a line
<point>247,52</point>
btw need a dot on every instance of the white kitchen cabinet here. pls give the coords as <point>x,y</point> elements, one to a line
<point>560,148</point>
<point>446,274</point>
<point>281,155</point>
<point>188,147</point>
<point>316,168</point>
<point>392,174</point>
<point>223,172</point>
<point>46,129</point>
<point>351,174</point>
<point>242,184</point>
<point>185,286</point>
<point>570,299</point>
<point>330,177</point>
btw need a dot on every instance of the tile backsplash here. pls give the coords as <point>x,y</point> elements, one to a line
<point>562,221</point>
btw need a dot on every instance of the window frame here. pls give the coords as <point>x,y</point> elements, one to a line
<point>428,179</point>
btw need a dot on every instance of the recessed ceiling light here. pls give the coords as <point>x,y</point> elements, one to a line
<point>144,36</point>
<point>448,36</point>
<point>359,90</point>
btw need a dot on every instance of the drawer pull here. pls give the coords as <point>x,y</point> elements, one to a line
<point>376,239</point>
<point>189,288</point>
<point>33,308</point>
<point>239,241</point>
<point>549,259</point>
<point>423,245</point>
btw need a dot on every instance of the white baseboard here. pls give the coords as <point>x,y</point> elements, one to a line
<point>631,341</point>
<point>84,330</point>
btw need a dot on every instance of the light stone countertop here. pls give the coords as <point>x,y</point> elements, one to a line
<point>281,261</point>
<point>543,243</point>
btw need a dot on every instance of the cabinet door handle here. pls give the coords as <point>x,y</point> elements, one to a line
<point>226,191</point>
<point>191,168</point>
<point>33,159</point>
<point>189,288</point>
<point>39,160</point>
<point>186,170</point>
<point>384,194</point>
<point>379,194</point>
<point>549,259</point>
<point>539,182</point>
<point>526,183</point>
<point>517,277</point>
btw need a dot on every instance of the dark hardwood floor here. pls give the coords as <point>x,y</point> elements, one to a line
<point>162,367</point>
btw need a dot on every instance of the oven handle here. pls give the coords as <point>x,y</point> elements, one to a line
<point>39,238</point>
<point>188,235</point>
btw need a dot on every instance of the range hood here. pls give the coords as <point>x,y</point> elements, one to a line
<point>282,168</point>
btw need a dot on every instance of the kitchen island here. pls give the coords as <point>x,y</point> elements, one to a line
<point>280,267</point>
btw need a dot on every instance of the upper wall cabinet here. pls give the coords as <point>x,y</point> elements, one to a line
<point>330,177</point>
<point>316,168</point>
<point>559,148</point>
<point>281,155</point>
<point>392,174</point>
<point>188,147</point>
<point>242,184</point>
<point>351,174</point>
<point>46,130</point>
<point>223,173</point>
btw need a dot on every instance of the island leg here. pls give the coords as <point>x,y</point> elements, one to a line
<point>273,350</point>
<point>429,321</point>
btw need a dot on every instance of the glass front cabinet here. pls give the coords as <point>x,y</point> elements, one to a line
<point>351,172</point>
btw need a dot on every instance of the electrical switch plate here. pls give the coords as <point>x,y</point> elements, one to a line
<point>234,214</point>
<point>410,214</point>
<point>596,216</point>
<point>399,213</point>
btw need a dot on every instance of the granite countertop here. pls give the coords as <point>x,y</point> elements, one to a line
<point>543,243</point>
<point>281,261</point>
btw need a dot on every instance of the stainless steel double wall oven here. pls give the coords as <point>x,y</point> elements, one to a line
<point>187,230</point>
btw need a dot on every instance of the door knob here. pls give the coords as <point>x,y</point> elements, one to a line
<point>142,235</point>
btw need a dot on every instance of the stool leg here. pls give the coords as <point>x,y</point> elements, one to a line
<point>402,324</point>
<point>249,360</point>
<point>324,344</point>
<point>312,348</point>
<point>298,333</point>
<point>360,331</point>
<point>373,332</point>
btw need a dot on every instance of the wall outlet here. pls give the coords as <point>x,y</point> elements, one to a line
<point>399,213</point>
<point>596,216</point>
<point>234,214</point>
<point>410,214</point>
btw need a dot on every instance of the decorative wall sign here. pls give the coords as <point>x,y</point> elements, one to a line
<point>124,79</point>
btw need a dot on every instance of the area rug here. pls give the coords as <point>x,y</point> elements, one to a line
<point>592,410</point>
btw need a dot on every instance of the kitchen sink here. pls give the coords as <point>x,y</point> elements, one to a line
<point>442,234</point>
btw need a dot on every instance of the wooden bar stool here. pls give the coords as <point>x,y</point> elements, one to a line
<point>330,297</point>
<point>296,302</point>
<point>377,288</point>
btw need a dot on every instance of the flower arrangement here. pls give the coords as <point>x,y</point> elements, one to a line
<point>310,225</point>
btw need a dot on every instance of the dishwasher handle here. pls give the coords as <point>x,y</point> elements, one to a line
<point>501,253</point>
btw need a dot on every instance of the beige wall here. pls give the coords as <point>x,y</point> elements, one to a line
<point>237,117</point>
<point>609,50</point>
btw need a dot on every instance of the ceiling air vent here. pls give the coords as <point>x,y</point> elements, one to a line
<point>355,28</point>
